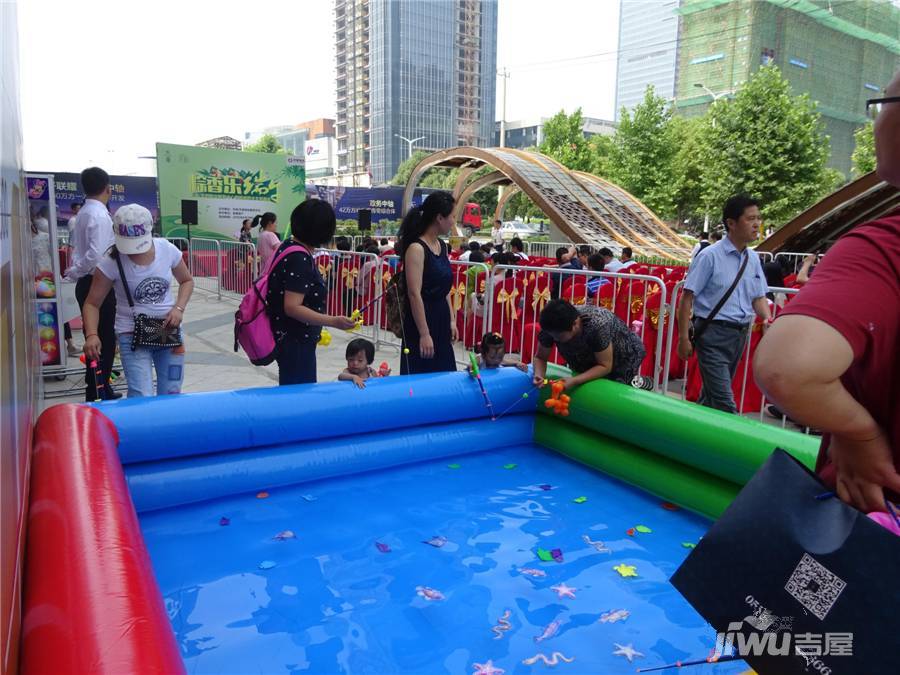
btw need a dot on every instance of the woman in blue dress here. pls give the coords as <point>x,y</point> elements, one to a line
<point>429,326</point>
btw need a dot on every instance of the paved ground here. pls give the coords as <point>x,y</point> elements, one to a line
<point>210,361</point>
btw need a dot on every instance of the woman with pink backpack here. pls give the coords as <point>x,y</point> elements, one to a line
<point>296,293</point>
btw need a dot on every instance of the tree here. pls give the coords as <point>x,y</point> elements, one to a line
<point>863,156</point>
<point>687,167</point>
<point>600,148</point>
<point>266,143</point>
<point>564,141</point>
<point>768,143</point>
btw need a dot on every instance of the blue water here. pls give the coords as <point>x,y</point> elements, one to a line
<point>333,602</point>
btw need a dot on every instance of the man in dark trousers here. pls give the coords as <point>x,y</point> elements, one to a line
<point>724,289</point>
<point>90,238</point>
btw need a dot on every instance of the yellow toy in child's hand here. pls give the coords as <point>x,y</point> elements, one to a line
<point>356,316</point>
<point>324,338</point>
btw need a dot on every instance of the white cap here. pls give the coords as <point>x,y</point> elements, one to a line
<point>133,227</point>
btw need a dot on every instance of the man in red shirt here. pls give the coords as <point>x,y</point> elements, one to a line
<point>832,359</point>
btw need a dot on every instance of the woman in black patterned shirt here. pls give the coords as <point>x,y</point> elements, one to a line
<point>594,342</point>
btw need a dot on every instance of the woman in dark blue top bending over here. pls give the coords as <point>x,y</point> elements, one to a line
<point>297,295</point>
<point>429,326</point>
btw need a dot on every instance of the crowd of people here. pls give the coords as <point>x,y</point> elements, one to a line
<point>829,362</point>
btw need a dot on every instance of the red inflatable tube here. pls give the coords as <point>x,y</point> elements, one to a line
<point>91,601</point>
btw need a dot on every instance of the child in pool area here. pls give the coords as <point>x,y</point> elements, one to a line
<point>492,354</point>
<point>360,354</point>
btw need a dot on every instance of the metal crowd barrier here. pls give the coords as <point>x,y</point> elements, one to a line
<point>544,249</point>
<point>518,294</point>
<point>353,281</point>
<point>795,259</point>
<point>205,264</point>
<point>240,265</point>
<point>744,372</point>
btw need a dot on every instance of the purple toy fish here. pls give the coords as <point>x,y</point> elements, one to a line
<point>549,632</point>
<point>384,548</point>
<point>223,521</point>
<point>437,541</point>
<point>545,486</point>
<point>429,593</point>
<point>557,555</point>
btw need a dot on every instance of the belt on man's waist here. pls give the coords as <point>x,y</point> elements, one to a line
<point>725,324</point>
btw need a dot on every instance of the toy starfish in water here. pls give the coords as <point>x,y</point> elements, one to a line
<point>628,651</point>
<point>487,669</point>
<point>564,591</point>
<point>626,570</point>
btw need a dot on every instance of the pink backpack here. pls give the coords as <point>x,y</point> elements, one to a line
<point>252,328</point>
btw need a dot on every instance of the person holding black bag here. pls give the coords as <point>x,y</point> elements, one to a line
<point>725,287</point>
<point>140,268</point>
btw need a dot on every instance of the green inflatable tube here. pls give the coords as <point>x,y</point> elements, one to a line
<point>728,446</point>
<point>669,480</point>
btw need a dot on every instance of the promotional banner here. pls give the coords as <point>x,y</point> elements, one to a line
<point>227,186</point>
<point>385,203</point>
<point>125,190</point>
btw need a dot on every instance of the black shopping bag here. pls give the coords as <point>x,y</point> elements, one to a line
<point>795,583</point>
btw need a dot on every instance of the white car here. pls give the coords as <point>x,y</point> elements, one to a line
<point>515,228</point>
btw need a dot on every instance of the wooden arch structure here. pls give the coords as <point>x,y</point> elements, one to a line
<point>585,208</point>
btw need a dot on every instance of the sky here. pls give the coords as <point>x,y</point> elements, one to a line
<point>103,80</point>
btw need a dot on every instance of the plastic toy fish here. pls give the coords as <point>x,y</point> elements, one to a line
<point>437,542</point>
<point>688,544</point>
<point>554,659</point>
<point>453,466</point>
<point>487,669</point>
<point>630,531</point>
<point>262,495</point>
<point>545,486</point>
<point>626,570</point>
<point>599,546</point>
<point>530,571</point>
<point>324,338</point>
<point>510,466</point>
<point>614,615</point>
<point>223,521</point>
<point>429,593</point>
<point>580,500</point>
<point>551,630</point>
<point>267,564</point>
<point>554,554</point>
<point>502,626</point>
<point>284,535</point>
<point>384,548</point>
<point>356,316</point>
<point>669,506</point>
<point>308,498</point>
<point>643,529</point>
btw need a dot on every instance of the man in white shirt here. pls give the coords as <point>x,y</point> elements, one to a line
<point>497,234</point>
<point>625,258</point>
<point>90,237</point>
<point>610,264</point>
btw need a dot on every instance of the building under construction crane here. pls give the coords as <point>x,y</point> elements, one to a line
<point>414,74</point>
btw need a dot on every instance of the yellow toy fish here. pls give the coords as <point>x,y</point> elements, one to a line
<point>626,570</point>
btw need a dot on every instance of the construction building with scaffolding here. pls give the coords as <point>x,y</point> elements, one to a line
<point>413,74</point>
<point>840,52</point>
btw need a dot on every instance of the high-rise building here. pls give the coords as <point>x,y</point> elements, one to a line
<point>840,53</point>
<point>648,50</point>
<point>421,70</point>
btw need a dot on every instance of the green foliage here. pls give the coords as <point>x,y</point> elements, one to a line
<point>687,168</point>
<point>643,154</point>
<point>564,141</point>
<point>863,156</point>
<point>266,143</point>
<point>767,143</point>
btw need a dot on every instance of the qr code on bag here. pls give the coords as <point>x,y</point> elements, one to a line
<point>814,586</point>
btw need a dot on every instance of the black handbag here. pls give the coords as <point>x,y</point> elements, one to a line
<point>149,331</point>
<point>694,332</point>
<point>796,581</point>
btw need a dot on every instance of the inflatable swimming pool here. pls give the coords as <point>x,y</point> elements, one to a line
<point>394,529</point>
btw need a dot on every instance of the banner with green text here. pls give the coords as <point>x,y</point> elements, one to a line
<point>228,186</point>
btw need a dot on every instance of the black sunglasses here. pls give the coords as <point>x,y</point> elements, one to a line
<point>873,105</point>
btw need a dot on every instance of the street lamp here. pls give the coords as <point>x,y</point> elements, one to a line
<point>715,97</point>
<point>410,142</point>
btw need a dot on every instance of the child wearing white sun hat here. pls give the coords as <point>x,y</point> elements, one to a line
<point>141,268</point>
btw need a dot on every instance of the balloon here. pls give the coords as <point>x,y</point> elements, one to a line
<point>46,319</point>
<point>47,334</point>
